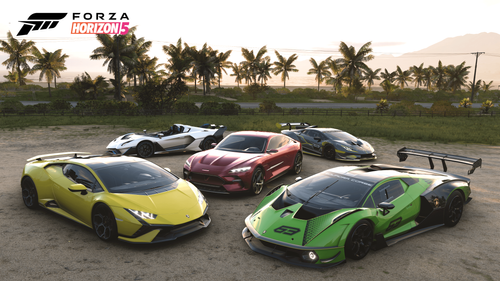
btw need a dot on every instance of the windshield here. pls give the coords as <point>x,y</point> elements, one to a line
<point>249,144</point>
<point>329,190</point>
<point>136,177</point>
<point>340,135</point>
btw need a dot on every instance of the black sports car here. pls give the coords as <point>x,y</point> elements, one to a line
<point>329,142</point>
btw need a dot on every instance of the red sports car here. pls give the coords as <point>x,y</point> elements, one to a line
<point>244,161</point>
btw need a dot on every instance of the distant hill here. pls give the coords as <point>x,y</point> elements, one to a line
<point>453,50</point>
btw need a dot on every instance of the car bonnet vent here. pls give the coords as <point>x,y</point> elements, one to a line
<point>286,213</point>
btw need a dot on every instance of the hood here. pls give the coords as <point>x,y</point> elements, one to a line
<point>171,207</point>
<point>129,139</point>
<point>357,145</point>
<point>282,225</point>
<point>222,158</point>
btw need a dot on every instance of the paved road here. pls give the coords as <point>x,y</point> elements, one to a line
<point>292,105</point>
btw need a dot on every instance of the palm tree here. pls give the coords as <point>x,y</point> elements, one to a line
<point>369,76</point>
<point>418,74</point>
<point>476,86</point>
<point>283,66</point>
<point>264,70</point>
<point>486,86</point>
<point>457,76</point>
<point>95,85</point>
<point>222,63</point>
<point>237,73</point>
<point>146,68</point>
<point>19,55</point>
<point>13,77</point>
<point>179,61</point>
<point>320,70</point>
<point>389,76</point>
<point>48,64</point>
<point>353,62</point>
<point>204,63</point>
<point>402,77</point>
<point>388,87</point>
<point>428,77</point>
<point>440,76</point>
<point>252,61</point>
<point>117,52</point>
<point>334,79</point>
<point>62,61</point>
<point>141,47</point>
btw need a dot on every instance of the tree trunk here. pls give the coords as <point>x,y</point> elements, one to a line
<point>50,94</point>
<point>203,82</point>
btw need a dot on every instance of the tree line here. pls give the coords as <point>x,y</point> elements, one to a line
<point>126,57</point>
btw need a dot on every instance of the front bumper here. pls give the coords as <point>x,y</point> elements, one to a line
<point>292,254</point>
<point>162,233</point>
<point>216,184</point>
<point>349,156</point>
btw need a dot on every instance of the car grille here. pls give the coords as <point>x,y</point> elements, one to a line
<point>366,156</point>
<point>207,182</point>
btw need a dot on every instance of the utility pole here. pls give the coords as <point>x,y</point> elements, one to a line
<point>474,80</point>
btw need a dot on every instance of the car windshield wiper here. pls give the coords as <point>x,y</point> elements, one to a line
<point>319,192</point>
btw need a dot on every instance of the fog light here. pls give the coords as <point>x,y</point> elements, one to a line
<point>309,256</point>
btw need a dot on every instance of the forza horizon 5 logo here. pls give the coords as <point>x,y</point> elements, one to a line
<point>86,23</point>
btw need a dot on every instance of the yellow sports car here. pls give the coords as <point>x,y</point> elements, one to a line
<point>120,197</point>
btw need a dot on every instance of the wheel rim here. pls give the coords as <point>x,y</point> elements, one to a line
<point>298,163</point>
<point>145,150</point>
<point>361,241</point>
<point>103,225</point>
<point>28,193</point>
<point>257,181</point>
<point>455,210</point>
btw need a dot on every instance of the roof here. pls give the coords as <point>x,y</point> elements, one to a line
<point>256,134</point>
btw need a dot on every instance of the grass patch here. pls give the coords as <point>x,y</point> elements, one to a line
<point>479,130</point>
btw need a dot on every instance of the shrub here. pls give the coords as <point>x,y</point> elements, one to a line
<point>210,108</point>
<point>382,106</point>
<point>269,106</point>
<point>229,108</point>
<point>465,103</point>
<point>188,107</point>
<point>60,106</point>
<point>11,106</point>
<point>485,107</point>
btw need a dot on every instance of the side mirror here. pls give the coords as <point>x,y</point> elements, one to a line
<point>272,151</point>
<point>298,179</point>
<point>385,206</point>
<point>167,169</point>
<point>160,135</point>
<point>78,187</point>
<point>317,139</point>
<point>213,144</point>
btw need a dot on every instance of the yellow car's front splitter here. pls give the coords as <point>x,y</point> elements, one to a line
<point>163,233</point>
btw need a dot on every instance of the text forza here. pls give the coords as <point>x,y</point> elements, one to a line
<point>100,27</point>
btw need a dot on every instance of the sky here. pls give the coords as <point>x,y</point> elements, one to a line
<point>308,28</point>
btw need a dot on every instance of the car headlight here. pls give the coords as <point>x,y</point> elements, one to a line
<point>188,162</point>
<point>142,215</point>
<point>240,170</point>
<point>348,148</point>
<point>196,191</point>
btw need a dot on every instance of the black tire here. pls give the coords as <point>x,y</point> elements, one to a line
<point>454,208</point>
<point>207,143</point>
<point>29,193</point>
<point>104,223</point>
<point>329,152</point>
<point>297,164</point>
<point>359,241</point>
<point>257,184</point>
<point>145,149</point>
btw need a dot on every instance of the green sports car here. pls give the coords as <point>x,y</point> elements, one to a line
<point>346,211</point>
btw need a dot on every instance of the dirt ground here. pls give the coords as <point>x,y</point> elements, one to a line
<point>42,245</point>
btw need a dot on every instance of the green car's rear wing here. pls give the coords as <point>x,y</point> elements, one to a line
<point>297,125</point>
<point>475,163</point>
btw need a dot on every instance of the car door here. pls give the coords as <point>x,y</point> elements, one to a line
<point>310,143</point>
<point>178,139</point>
<point>279,156</point>
<point>78,204</point>
<point>405,210</point>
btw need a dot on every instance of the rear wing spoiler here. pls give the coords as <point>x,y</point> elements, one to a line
<point>40,157</point>
<point>297,125</point>
<point>219,134</point>
<point>475,163</point>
